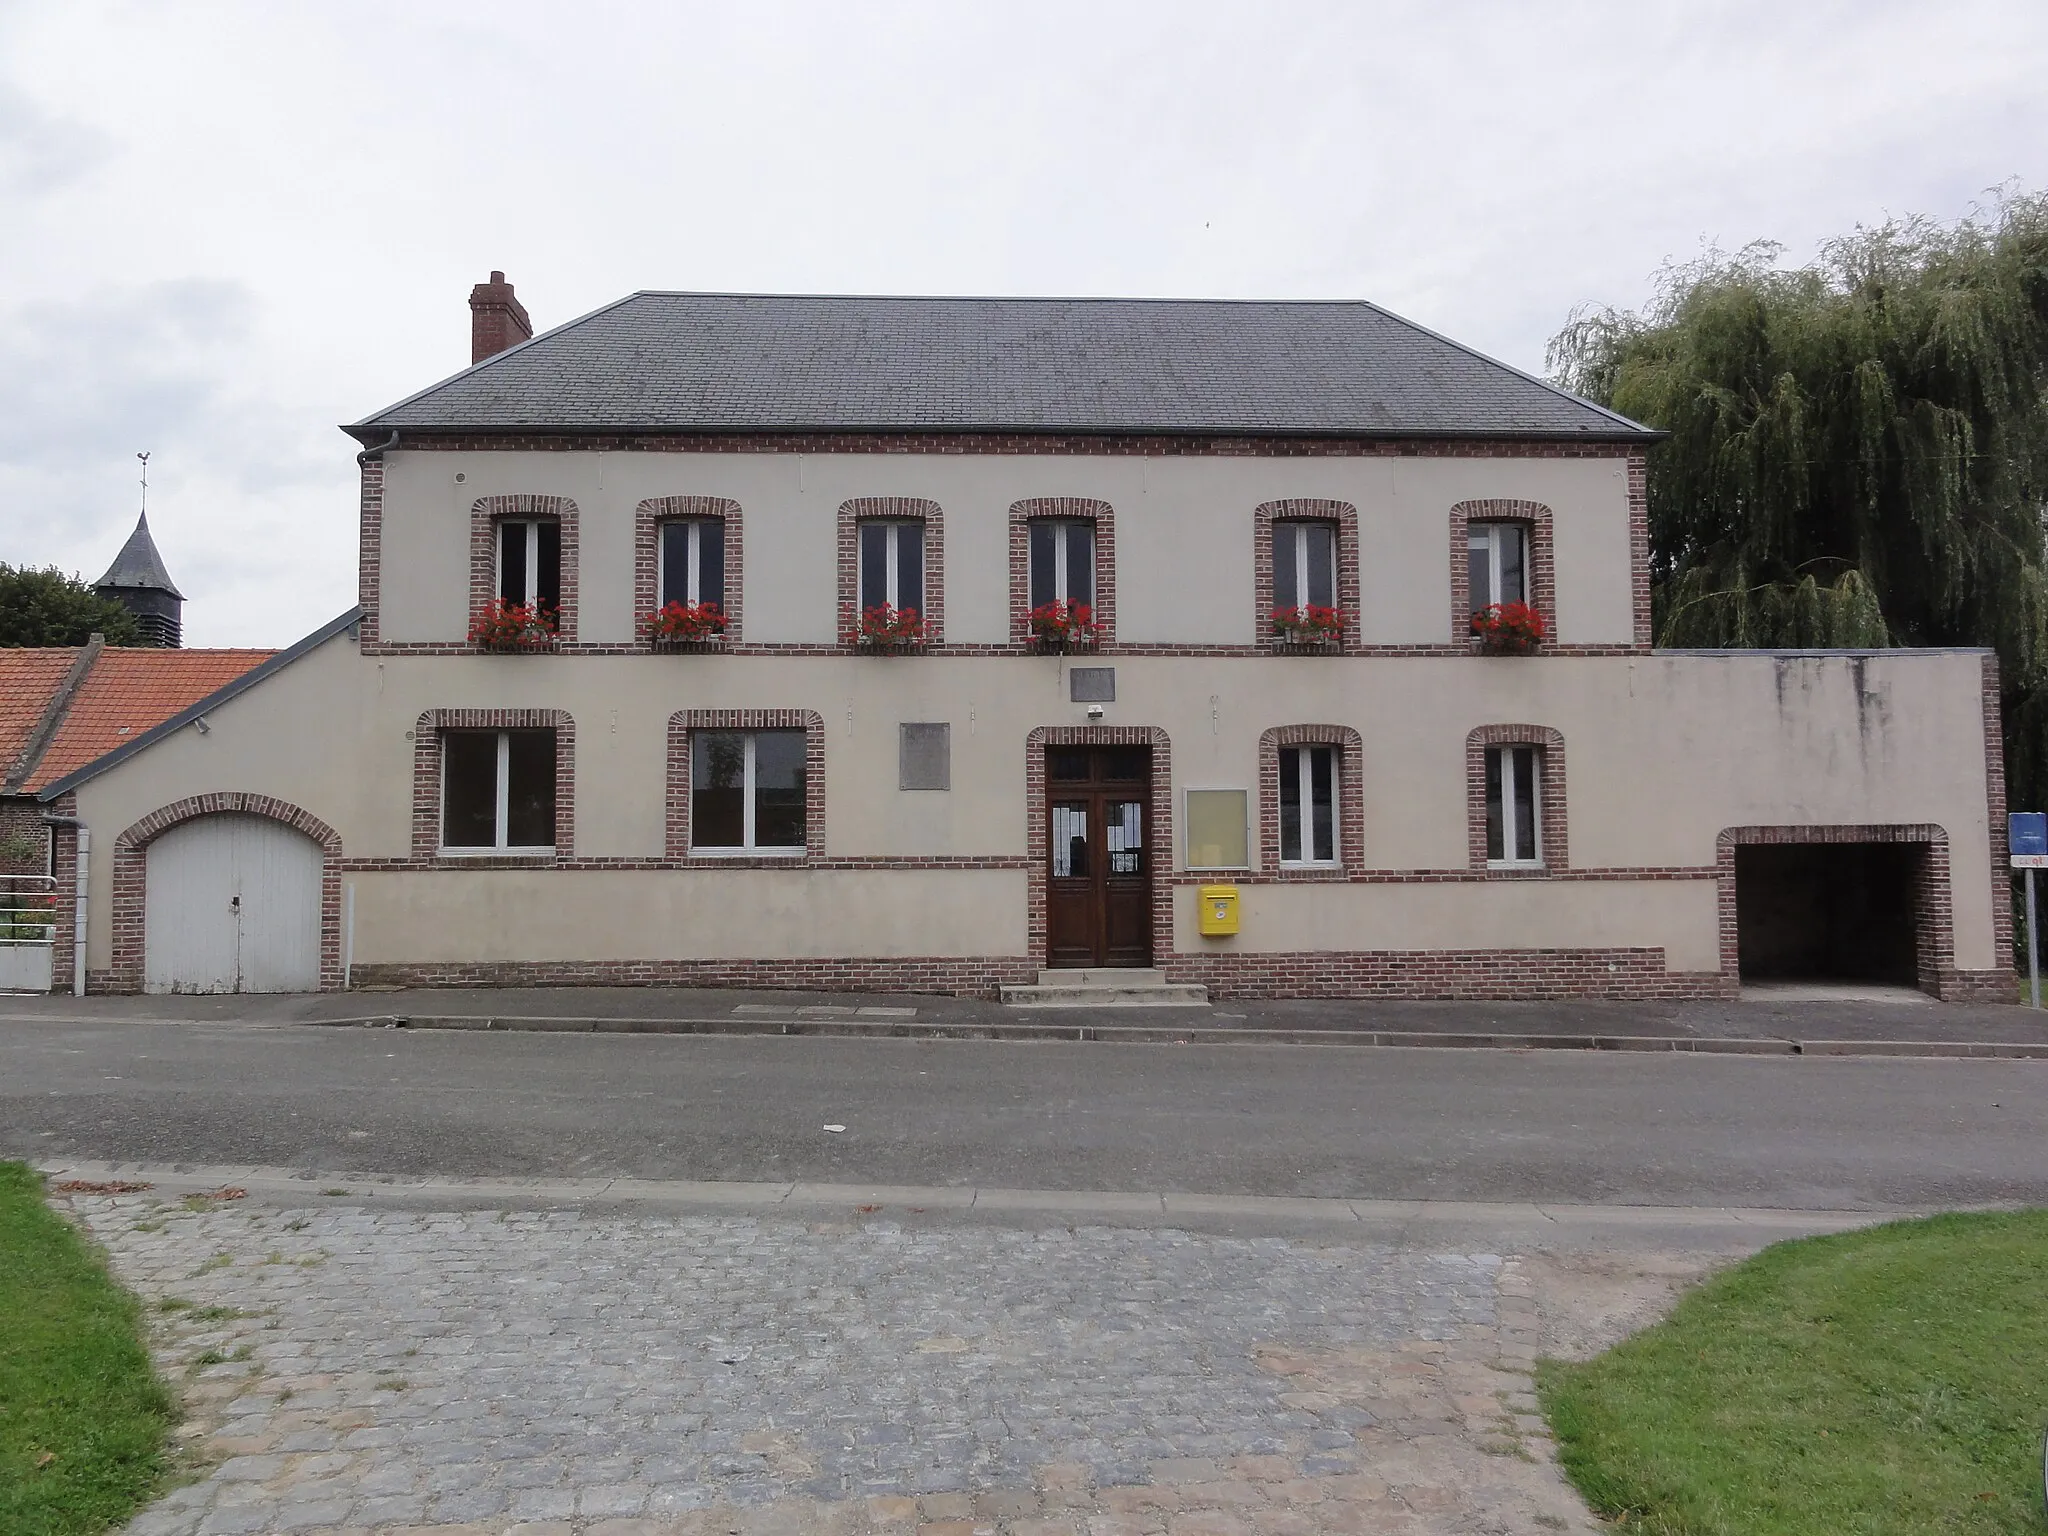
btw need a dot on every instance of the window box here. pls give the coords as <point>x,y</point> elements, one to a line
<point>890,631</point>
<point>1310,627</point>
<point>681,626</point>
<point>1509,629</point>
<point>1062,628</point>
<point>505,626</point>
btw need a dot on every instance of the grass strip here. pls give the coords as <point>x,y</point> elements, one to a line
<point>1892,1380</point>
<point>83,1418</point>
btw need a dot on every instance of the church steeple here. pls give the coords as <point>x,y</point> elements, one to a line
<point>138,581</point>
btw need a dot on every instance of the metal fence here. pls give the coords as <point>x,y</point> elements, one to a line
<point>28,931</point>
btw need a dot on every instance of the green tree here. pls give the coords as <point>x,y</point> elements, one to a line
<point>1859,448</point>
<point>47,607</point>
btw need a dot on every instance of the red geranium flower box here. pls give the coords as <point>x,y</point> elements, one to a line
<point>1064,626</point>
<point>888,631</point>
<point>503,626</point>
<point>1313,626</point>
<point>680,626</point>
<point>1509,629</point>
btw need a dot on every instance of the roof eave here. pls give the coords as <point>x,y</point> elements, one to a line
<point>373,432</point>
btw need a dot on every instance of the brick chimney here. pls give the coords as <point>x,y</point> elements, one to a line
<point>497,320</point>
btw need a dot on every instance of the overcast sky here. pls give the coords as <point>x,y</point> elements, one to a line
<point>226,228</point>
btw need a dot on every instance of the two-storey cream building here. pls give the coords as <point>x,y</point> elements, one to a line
<point>998,631</point>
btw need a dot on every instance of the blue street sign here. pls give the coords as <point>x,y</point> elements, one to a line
<point>2026,832</point>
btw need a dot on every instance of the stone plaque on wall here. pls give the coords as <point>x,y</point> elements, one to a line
<point>925,757</point>
<point>1092,685</point>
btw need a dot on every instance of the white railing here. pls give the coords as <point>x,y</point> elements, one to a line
<point>28,931</point>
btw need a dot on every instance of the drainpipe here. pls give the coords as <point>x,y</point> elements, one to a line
<point>78,909</point>
<point>380,450</point>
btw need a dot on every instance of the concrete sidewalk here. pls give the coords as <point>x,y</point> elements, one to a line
<point>1782,1020</point>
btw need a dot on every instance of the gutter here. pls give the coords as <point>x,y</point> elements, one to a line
<point>380,449</point>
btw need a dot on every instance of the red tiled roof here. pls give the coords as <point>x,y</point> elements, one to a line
<point>28,681</point>
<point>124,694</point>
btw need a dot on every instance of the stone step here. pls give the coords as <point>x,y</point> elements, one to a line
<point>1105,988</point>
<point>1104,976</point>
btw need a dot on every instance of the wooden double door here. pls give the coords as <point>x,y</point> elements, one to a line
<point>1098,856</point>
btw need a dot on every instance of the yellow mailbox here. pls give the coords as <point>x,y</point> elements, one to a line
<point>1219,910</point>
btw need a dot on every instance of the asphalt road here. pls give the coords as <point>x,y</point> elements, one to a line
<point>1813,1133</point>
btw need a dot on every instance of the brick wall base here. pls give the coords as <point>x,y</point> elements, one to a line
<point>943,975</point>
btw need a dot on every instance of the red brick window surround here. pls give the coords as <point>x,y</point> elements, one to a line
<point>486,513</point>
<point>426,782</point>
<point>899,509</point>
<point>1534,519</point>
<point>648,516</point>
<point>1350,800</point>
<point>1551,846</point>
<point>131,866</point>
<point>1309,509</point>
<point>1161,833</point>
<point>682,727</point>
<point>1022,515</point>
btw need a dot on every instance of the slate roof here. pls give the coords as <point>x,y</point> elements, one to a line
<point>138,564</point>
<point>124,693</point>
<point>764,363</point>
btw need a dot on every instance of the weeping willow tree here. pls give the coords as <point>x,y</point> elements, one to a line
<point>1859,448</point>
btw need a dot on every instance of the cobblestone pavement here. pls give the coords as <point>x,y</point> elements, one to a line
<point>641,1375</point>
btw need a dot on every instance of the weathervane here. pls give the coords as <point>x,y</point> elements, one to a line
<point>145,482</point>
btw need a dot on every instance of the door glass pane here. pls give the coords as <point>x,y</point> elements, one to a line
<point>1290,804</point>
<point>779,789</point>
<point>711,561</point>
<point>1525,802</point>
<point>1322,563</point>
<point>1217,835</point>
<point>1070,841</point>
<point>1481,570</point>
<point>547,587</point>
<point>874,565</point>
<point>910,566</point>
<point>469,789</point>
<point>1286,589</point>
<point>1123,831</point>
<point>717,789</point>
<point>1322,770</point>
<point>1069,764</point>
<point>1495,839</point>
<point>675,563</point>
<point>1081,563</point>
<point>1514,587</point>
<point>530,789</point>
<point>512,562</point>
<point>1043,589</point>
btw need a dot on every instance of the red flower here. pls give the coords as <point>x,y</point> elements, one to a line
<point>1064,625</point>
<point>885,628</point>
<point>1509,629</point>
<point>678,621</point>
<point>1310,624</point>
<point>503,626</point>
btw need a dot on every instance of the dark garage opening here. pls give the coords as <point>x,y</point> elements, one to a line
<point>1827,911</point>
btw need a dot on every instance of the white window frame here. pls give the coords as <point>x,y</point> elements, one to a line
<point>1486,535</point>
<point>1062,590</point>
<point>693,561</point>
<point>1187,823</point>
<point>892,586</point>
<point>749,849</point>
<point>1299,524</point>
<point>532,527</point>
<point>1508,825</point>
<point>501,827</point>
<point>1304,768</point>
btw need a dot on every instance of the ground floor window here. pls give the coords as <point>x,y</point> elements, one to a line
<point>1514,807</point>
<point>498,791</point>
<point>747,792</point>
<point>1308,805</point>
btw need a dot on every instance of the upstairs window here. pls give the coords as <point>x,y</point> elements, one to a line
<point>692,562</point>
<point>530,565</point>
<point>747,792</point>
<point>891,564</point>
<point>498,791</point>
<point>1062,561</point>
<point>1308,806</point>
<point>1304,565</point>
<point>1499,563</point>
<point>1514,806</point>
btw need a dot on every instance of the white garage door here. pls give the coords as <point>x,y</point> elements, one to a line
<point>231,904</point>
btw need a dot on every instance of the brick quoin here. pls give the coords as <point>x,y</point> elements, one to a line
<point>131,866</point>
<point>1307,509</point>
<point>1078,508</point>
<point>484,516</point>
<point>648,516</point>
<point>1535,520</point>
<point>896,509</point>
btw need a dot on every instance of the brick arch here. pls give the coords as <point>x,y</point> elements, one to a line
<point>904,508</point>
<point>1350,798</point>
<point>1160,811</point>
<point>1304,509</point>
<point>486,512</point>
<point>1535,516</point>
<point>131,870</point>
<point>1100,513</point>
<point>1556,851</point>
